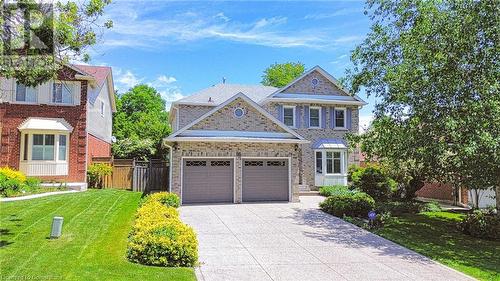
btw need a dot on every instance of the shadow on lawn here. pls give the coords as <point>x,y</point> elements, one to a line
<point>5,232</point>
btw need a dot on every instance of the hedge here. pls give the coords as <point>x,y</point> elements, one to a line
<point>353,205</point>
<point>159,237</point>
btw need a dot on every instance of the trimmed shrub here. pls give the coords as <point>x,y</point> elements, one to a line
<point>351,170</point>
<point>158,236</point>
<point>166,198</point>
<point>354,205</point>
<point>481,224</point>
<point>373,181</point>
<point>13,183</point>
<point>96,172</point>
<point>11,174</point>
<point>335,190</point>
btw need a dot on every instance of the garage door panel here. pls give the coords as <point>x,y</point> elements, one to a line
<point>207,181</point>
<point>265,180</point>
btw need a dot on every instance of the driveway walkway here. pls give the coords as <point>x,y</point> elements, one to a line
<point>296,241</point>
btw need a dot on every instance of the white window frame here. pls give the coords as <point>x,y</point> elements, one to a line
<point>294,108</point>
<point>14,96</point>
<point>335,118</point>
<point>102,108</point>
<point>64,84</point>
<point>319,117</point>
<point>343,158</point>
<point>30,146</point>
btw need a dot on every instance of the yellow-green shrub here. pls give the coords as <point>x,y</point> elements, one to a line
<point>159,237</point>
<point>166,198</point>
<point>11,174</point>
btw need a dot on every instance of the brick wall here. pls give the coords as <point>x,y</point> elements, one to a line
<point>304,86</point>
<point>97,148</point>
<point>189,113</point>
<point>441,191</point>
<point>239,151</point>
<point>12,115</point>
<point>224,120</point>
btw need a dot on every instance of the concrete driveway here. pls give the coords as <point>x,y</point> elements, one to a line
<point>296,241</point>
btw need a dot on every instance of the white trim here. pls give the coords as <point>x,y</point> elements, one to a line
<point>335,117</point>
<point>289,159</point>
<point>25,165</point>
<point>217,133</point>
<point>14,94</point>
<point>320,113</point>
<point>233,139</point>
<point>313,100</point>
<point>248,100</point>
<point>72,85</point>
<point>294,108</point>
<point>242,114</point>
<point>207,157</point>
<point>325,74</point>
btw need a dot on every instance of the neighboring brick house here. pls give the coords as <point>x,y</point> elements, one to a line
<point>240,143</point>
<point>51,131</point>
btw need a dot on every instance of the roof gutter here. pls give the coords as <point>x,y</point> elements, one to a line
<point>246,140</point>
<point>292,100</point>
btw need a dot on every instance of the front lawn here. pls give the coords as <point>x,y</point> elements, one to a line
<point>93,244</point>
<point>434,234</point>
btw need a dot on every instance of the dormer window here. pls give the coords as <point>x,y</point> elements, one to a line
<point>25,93</point>
<point>62,93</point>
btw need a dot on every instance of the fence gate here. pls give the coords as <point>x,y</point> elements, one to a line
<point>143,176</point>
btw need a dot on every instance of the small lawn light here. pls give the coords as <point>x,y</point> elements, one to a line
<point>371,216</point>
<point>56,231</point>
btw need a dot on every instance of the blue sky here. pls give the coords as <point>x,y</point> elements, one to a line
<point>182,47</point>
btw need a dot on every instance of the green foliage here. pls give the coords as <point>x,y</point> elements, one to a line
<point>73,28</point>
<point>96,172</point>
<point>140,123</point>
<point>481,224</point>
<point>335,190</point>
<point>280,74</point>
<point>354,205</point>
<point>14,183</point>
<point>351,170</point>
<point>158,237</point>
<point>374,182</point>
<point>434,68</point>
<point>166,198</point>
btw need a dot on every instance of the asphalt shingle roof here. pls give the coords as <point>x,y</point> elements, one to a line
<point>219,93</point>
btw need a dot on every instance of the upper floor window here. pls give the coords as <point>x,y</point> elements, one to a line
<point>102,108</point>
<point>289,115</point>
<point>314,117</point>
<point>25,93</point>
<point>340,118</point>
<point>62,93</point>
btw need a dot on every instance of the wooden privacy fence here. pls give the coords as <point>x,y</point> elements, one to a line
<point>130,174</point>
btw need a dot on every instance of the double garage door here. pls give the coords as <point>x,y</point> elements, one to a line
<point>212,180</point>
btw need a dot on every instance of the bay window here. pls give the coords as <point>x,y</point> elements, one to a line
<point>48,147</point>
<point>331,162</point>
<point>42,147</point>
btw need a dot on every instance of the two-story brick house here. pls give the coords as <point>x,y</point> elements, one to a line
<point>52,131</point>
<point>238,143</point>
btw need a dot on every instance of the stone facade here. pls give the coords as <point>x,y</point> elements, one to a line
<point>225,120</point>
<point>313,134</point>
<point>239,151</point>
<point>189,113</point>
<point>304,86</point>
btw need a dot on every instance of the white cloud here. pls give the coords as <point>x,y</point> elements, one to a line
<point>127,80</point>
<point>134,30</point>
<point>166,79</point>
<point>341,12</point>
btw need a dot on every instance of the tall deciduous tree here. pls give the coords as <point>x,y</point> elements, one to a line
<point>140,123</point>
<point>435,68</point>
<point>39,37</point>
<point>280,74</point>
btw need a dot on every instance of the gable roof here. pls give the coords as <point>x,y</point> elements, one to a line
<point>219,93</point>
<point>196,135</point>
<point>101,74</point>
<point>319,98</point>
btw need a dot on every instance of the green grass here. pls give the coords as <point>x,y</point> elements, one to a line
<point>93,244</point>
<point>435,235</point>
